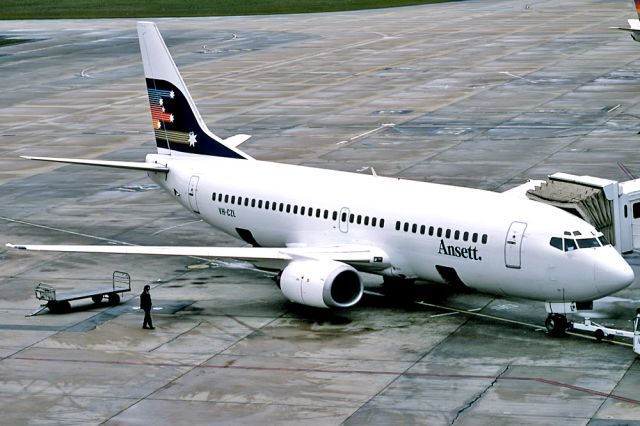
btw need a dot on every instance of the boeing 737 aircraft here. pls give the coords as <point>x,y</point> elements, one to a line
<point>320,228</point>
<point>634,24</point>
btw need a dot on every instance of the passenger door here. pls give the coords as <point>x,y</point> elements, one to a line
<point>512,245</point>
<point>193,192</point>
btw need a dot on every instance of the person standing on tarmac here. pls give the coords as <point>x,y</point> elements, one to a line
<point>145,305</point>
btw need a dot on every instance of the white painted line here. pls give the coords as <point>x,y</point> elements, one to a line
<point>176,226</point>
<point>367,133</point>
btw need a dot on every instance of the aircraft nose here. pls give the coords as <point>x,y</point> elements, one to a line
<point>613,273</point>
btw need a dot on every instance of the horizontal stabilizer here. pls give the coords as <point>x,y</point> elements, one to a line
<point>149,167</point>
<point>236,140</point>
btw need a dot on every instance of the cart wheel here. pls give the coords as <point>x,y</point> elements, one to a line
<point>114,298</point>
<point>599,335</point>
<point>59,307</point>
<point>97,298</point>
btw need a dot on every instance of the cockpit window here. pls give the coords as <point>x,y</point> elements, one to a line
<point>569,244</point>
<point>587,242</point>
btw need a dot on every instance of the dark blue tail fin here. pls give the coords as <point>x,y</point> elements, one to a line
<point>178,126</point>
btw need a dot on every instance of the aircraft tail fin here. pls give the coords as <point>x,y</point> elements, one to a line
<point>177,124</point>
<point>637,4</point>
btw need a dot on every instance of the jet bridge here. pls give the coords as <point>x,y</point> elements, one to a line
<point>612,207</point>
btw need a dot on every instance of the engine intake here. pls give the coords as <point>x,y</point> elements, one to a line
<point>323,284</point>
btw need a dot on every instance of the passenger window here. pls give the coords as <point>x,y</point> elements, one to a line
<point>239,201</point>
<point>422,229</point>
<point>246,202</point>
<point>474,238</point>
<point>295,209</point>
<point>274,206</point>
<point>381,223</point>
<point>359,219</point>
<point>398,225</point>
<point>219,197</point>
<point>588,243</point>
<point>465,236</point>
<point>288,208</point>
<point>318,211</point>
<point>485,237</point>
<point>366,220</point>
<point>351,217</point>
<point>373,221</point>
<point>335,215</point>
<point>326,214</point>
<point>281,206</point>
<point>226,198</point>
<point>343,217</point>
<point>439,233</point>
<point>233,199</point>
<point>302,210</point>
<point>456,235</point>
<point>569,244</point>
<point>253,202</point>
<point>556,242</point>
<point>431,231</point>
<point>310,212</point>
<point>414,228</point>
<point>448,233</point>
<point>406,227</point>
<point>213,196</point>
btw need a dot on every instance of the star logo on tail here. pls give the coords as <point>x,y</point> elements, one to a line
<point>192,139</point>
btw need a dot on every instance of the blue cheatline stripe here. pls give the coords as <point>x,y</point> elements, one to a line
<point>156,94</point>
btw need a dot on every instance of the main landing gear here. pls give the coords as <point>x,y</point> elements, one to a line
<point>556,324</point>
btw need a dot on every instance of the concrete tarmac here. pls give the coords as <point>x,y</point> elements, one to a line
<point>483,94</point>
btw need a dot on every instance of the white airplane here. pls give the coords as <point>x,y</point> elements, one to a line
<point>320,228</point>
<point>634,24</point>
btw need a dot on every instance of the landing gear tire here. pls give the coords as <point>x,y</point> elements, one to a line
<point>556,324</point>
<point>97,298</point>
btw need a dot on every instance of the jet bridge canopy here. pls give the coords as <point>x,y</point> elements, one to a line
<point>612,207</point>
<point>586,200</point>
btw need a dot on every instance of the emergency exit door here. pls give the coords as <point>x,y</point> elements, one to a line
<point>193,192</point>
<point>513,245</point>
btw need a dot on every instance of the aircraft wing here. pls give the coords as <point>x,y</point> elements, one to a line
<point>263,257</point>
<point>130,165</point>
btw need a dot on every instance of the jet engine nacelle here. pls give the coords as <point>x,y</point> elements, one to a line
<point>323,284</point>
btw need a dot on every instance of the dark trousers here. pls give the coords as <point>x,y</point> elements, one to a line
<point>147,318</point>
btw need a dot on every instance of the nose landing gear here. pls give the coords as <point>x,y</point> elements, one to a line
<point>556,324</point>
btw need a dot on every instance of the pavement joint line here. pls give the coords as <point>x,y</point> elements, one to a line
<point>194,366</point>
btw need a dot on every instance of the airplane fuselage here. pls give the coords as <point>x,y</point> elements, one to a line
<point>484,240</point>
